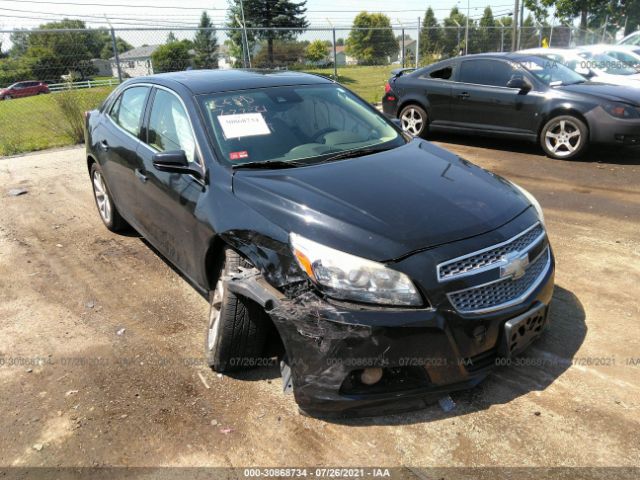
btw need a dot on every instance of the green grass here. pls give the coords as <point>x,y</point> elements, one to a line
<point>36,123</point>
<point>368,82</point>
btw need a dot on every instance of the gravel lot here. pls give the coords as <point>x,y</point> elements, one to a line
<point>101,343</point>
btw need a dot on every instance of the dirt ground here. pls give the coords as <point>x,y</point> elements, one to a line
<point>101,343</point>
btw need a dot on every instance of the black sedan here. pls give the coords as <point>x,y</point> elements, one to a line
<point>521,96</point>
<point>374,266</point>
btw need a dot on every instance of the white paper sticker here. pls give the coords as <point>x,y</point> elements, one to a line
<point>243,125</point>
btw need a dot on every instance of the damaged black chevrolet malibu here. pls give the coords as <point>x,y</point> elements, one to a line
<point>382,270</point>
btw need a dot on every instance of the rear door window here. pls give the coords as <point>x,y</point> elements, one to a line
<point>127,109</point>
<point>486,72</point>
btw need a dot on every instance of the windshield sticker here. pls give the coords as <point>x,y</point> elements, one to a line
<point>243,125</point>
<point>238,155</point>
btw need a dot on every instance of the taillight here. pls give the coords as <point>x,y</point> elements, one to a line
<point>387,87</point>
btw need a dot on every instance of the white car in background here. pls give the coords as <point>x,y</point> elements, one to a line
<point>600,69</point>
<point>629,55</point>
<point>632,39</point>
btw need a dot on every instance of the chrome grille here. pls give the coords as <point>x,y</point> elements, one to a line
<point>501,293</point>
<point>488,258</point>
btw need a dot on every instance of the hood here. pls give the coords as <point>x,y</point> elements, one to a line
<point>606,91</point>
<point>386,205</point>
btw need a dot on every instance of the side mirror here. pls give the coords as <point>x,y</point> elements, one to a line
<point>175,162</point>
<point>521,83</point>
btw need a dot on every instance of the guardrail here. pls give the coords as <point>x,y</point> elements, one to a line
<point>56,87</point>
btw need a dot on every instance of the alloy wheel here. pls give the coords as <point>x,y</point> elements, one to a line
<point>412,121</point>
<point>102,197</point>
<point>563,138</point>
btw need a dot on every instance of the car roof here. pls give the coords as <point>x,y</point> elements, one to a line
<point>216,81</point>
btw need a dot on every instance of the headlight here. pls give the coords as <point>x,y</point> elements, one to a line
<point>347,277</point>
<point>532,200</point>
<point>620,110</point>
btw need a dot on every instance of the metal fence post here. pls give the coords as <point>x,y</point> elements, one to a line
<point>335,57</point>
<point>418,45</point>
<point>402,49</point>
<point>115,54</point>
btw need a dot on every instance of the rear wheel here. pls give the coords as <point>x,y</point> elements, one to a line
<point>104,201</point>
<point>413,120</point>
<point>237,328</point>
<point>564,137</point>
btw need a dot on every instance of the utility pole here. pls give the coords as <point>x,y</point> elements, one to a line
<point>114,44</point>
<point>514,35</point>
<point>521,24</point>
<point>466,29</point>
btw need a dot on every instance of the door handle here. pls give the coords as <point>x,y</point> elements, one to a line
<point>463,95</point>
<point>141,176</point>
<point>104,146</point>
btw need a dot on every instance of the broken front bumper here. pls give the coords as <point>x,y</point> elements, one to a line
<point>424,353</point>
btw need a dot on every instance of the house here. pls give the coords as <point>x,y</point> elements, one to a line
<point>409,51</point>
<point>342,58</point>
<point>135,62</point>
<point>102,67</point>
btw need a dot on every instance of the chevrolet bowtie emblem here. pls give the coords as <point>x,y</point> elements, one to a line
<point>514,266</point>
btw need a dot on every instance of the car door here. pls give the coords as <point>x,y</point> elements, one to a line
<point>481,99</point>
<point>31,88</point>
<point>117,142</point>
<point>437,87</point>
<point>167,201</point>
<point>18,90</point>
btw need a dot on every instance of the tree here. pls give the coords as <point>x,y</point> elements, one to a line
<point>489,35</point>
<point>316,51</point>
<point>50,55</point>
<point>453,39</point>
<point>371,39</point>
<point>171,38</point>
<point>172,56</point>
<point>19,43</point>
<point>430,35</point>
<point>205,44</point>
<point>340,42</point>
<point>278,19</point>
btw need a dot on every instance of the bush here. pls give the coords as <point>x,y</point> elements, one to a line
<point>72,110</point>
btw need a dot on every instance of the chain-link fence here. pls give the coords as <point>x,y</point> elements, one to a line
<point>79,67</point>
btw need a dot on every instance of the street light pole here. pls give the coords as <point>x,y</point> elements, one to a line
<point>514,34</point>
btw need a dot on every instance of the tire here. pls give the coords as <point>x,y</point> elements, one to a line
<point>7,97</point>
<point>564,137</point>
<point>104,201</point>
<point>237,328</point>
<point>414,120</point>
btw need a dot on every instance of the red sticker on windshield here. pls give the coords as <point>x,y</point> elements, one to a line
<point>239,155</point>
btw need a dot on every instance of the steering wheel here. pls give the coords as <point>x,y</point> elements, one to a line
<point>317,137</point>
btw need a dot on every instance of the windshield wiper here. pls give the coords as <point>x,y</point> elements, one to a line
<point>270,164</point>
<point>361,152</point>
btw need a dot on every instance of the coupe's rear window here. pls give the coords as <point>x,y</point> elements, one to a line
<point>293,123</point>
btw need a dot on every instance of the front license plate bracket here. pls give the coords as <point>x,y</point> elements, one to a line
<point>520,331</point>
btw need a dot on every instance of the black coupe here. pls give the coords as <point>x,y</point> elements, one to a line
<point>514,95</point>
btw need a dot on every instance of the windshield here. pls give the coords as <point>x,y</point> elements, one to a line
<point>294,123</point>
<point>549,71</point>
<point>607,64</point>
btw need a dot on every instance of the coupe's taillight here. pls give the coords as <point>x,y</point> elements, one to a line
<point>387,87</point>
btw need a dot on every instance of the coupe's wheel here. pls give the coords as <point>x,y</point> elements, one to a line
<point>237,327</point>
<point>104,201</point>
<point>7,97</point>
<point>413,120</point>
<point>564,137</point>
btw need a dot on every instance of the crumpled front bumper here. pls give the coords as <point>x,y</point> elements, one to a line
<point>424,353</point>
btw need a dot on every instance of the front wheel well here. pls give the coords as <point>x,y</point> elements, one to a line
<point>90,161</point>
